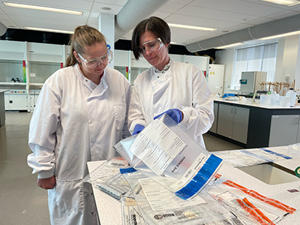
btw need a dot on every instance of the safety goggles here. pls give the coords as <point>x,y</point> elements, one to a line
<point>151,46</point>
<point>107,58</point>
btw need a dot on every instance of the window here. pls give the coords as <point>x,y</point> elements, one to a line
<point>257,58</point>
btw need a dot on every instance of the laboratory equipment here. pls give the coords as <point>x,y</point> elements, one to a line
<point>251,82</point>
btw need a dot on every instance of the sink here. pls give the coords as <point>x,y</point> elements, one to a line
<point>271,173</point>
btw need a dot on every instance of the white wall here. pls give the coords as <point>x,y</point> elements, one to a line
<point>287,54</point>
<point>288,61</point>
<point>226,58</point>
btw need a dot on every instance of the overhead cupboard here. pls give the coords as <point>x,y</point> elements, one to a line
<point>25,66</point>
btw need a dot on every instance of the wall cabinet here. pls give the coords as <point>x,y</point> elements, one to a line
<point>233,122</point>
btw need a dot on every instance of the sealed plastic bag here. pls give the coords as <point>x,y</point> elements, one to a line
<point>166,149</point>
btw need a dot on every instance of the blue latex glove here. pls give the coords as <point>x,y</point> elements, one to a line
<point>137,129</point>
<point>175,114</point>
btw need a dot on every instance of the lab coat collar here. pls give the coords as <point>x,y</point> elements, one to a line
<point>162,75</point>
<point>165,69</point>
<point>96,90</point>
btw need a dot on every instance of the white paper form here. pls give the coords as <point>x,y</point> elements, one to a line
<point>160,198</point>
<point>157,146</point>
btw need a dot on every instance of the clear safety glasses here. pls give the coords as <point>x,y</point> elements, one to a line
<point>91,63</point>
<point>151,46</point>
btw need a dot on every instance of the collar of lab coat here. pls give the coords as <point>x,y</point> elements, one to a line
<point>96,90</point>
<point>162,76</point>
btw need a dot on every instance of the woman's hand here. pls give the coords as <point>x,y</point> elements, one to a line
<point>175,114</point>
<point>47,183</point>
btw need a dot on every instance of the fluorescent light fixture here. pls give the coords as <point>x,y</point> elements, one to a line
<point>229,46</point>
<point>49,30</point>
<point>191,27</point>
<point>281,35</point>
<point>284,2</point>
<point>42,8</point>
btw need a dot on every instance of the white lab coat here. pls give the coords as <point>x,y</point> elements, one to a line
<point>76,121</point>
<point>182,86</point>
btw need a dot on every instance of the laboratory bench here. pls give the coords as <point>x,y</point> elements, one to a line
<point>2,108</point>
<point>252,125</point>
<point>266,179</point>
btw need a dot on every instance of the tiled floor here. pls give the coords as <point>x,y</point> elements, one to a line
<point>21,201</point>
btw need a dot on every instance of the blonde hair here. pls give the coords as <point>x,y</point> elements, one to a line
<point>83,36</point>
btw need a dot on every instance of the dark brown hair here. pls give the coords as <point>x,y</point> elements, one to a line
<point>155,25</point>
<point>83,36</point>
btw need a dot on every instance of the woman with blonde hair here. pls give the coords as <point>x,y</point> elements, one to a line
<point>80,115</point>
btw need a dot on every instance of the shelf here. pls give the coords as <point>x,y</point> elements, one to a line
<point>12,84</point>
<point>36,84</point>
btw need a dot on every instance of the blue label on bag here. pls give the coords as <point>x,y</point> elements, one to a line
<point>200,179</point>
<point>256,156</point>
<point>127,170</point>
<point>275,153</point>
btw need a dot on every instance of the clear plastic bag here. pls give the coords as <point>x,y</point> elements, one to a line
<point>166,149</point>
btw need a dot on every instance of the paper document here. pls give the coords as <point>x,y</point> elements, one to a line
<point>160,198</point>
<point>157,146</point>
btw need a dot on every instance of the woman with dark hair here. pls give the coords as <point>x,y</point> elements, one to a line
<point>80,115</point>
<point>177,89</point>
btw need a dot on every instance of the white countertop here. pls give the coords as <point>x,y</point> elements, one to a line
<point>249,102</point>
<point>106,204</point>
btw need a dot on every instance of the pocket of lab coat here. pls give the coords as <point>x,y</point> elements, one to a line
<point>119,115</point>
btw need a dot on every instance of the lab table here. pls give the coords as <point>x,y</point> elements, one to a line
<point>288,157</point>
<point>251,124</point>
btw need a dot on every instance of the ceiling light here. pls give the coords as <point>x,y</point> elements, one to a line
<point>42,8</point>
<point>281,35</point>
<point>49,30</point>
<point>284,2</point>
<point>191,27</point>
<point>229,46</point>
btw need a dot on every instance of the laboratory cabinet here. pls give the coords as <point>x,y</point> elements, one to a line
<point>16,100</point>
<point>284,130</point>
<point>42,52</point>
<point>11,72</point>
<point>215,123</point>
<point>233,122</point>
<point>252,126</point>
<point>2,108</point>
<point>13,50</point>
